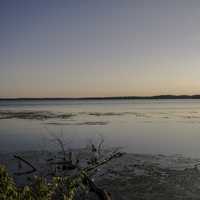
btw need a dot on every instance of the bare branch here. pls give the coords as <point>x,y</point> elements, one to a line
<point>100,146</point>
<point>61,146</point>
<point>59,141</point>
<point>99,163</point>
<point>27,163</point>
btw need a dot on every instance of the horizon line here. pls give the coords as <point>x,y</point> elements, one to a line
<point>196,96</point>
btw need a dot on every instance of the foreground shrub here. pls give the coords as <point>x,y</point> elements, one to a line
<point>59,188</point>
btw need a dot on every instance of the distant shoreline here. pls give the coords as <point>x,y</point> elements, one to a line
<point>158,97</point>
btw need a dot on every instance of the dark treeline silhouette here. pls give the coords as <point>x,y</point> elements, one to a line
<point>108,98</point>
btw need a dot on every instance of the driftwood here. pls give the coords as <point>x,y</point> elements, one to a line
<point>102,194</point>
<point>67,164</point>
<point>99,163</point>
<point>33,169</point>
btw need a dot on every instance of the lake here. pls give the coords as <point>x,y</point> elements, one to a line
<point>139,126</point>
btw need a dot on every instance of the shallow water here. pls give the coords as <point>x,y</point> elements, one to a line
<point>140,126</point>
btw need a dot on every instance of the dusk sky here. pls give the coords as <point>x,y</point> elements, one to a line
<point>79,48</point>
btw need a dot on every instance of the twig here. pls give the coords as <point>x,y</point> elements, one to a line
<point>61,146</point>
<point>26,162</point>
<point>100,146</point>
<point>59,141</point>
<point>99,163</point>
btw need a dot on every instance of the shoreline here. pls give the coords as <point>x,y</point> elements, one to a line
<point>132,176</point>
<point>155,97</point>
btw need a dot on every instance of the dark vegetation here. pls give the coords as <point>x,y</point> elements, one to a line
<point>109,98</point>
<point>133,176</point>
<point>67,179</point>
<point>35,115</point>
<point>46,115</point>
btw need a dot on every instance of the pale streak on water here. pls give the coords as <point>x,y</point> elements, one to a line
<point>140,126</point>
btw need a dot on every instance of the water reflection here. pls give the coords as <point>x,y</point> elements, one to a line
<point>161,126</point>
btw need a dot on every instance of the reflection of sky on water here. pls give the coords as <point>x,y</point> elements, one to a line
<point>167,127</point>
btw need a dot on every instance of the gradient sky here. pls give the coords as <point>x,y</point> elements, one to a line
<point>73,48</point>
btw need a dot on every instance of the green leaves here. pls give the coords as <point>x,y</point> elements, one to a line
<point>60,188</point>
<point>8,190</point>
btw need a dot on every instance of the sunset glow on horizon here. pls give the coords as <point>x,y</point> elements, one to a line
<point>75,48</point>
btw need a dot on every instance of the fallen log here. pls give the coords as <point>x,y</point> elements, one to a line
<point>102,194</point>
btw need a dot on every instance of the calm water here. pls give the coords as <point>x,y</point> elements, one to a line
<point>140,126</point>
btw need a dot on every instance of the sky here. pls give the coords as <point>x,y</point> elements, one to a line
<point>88,48</point>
